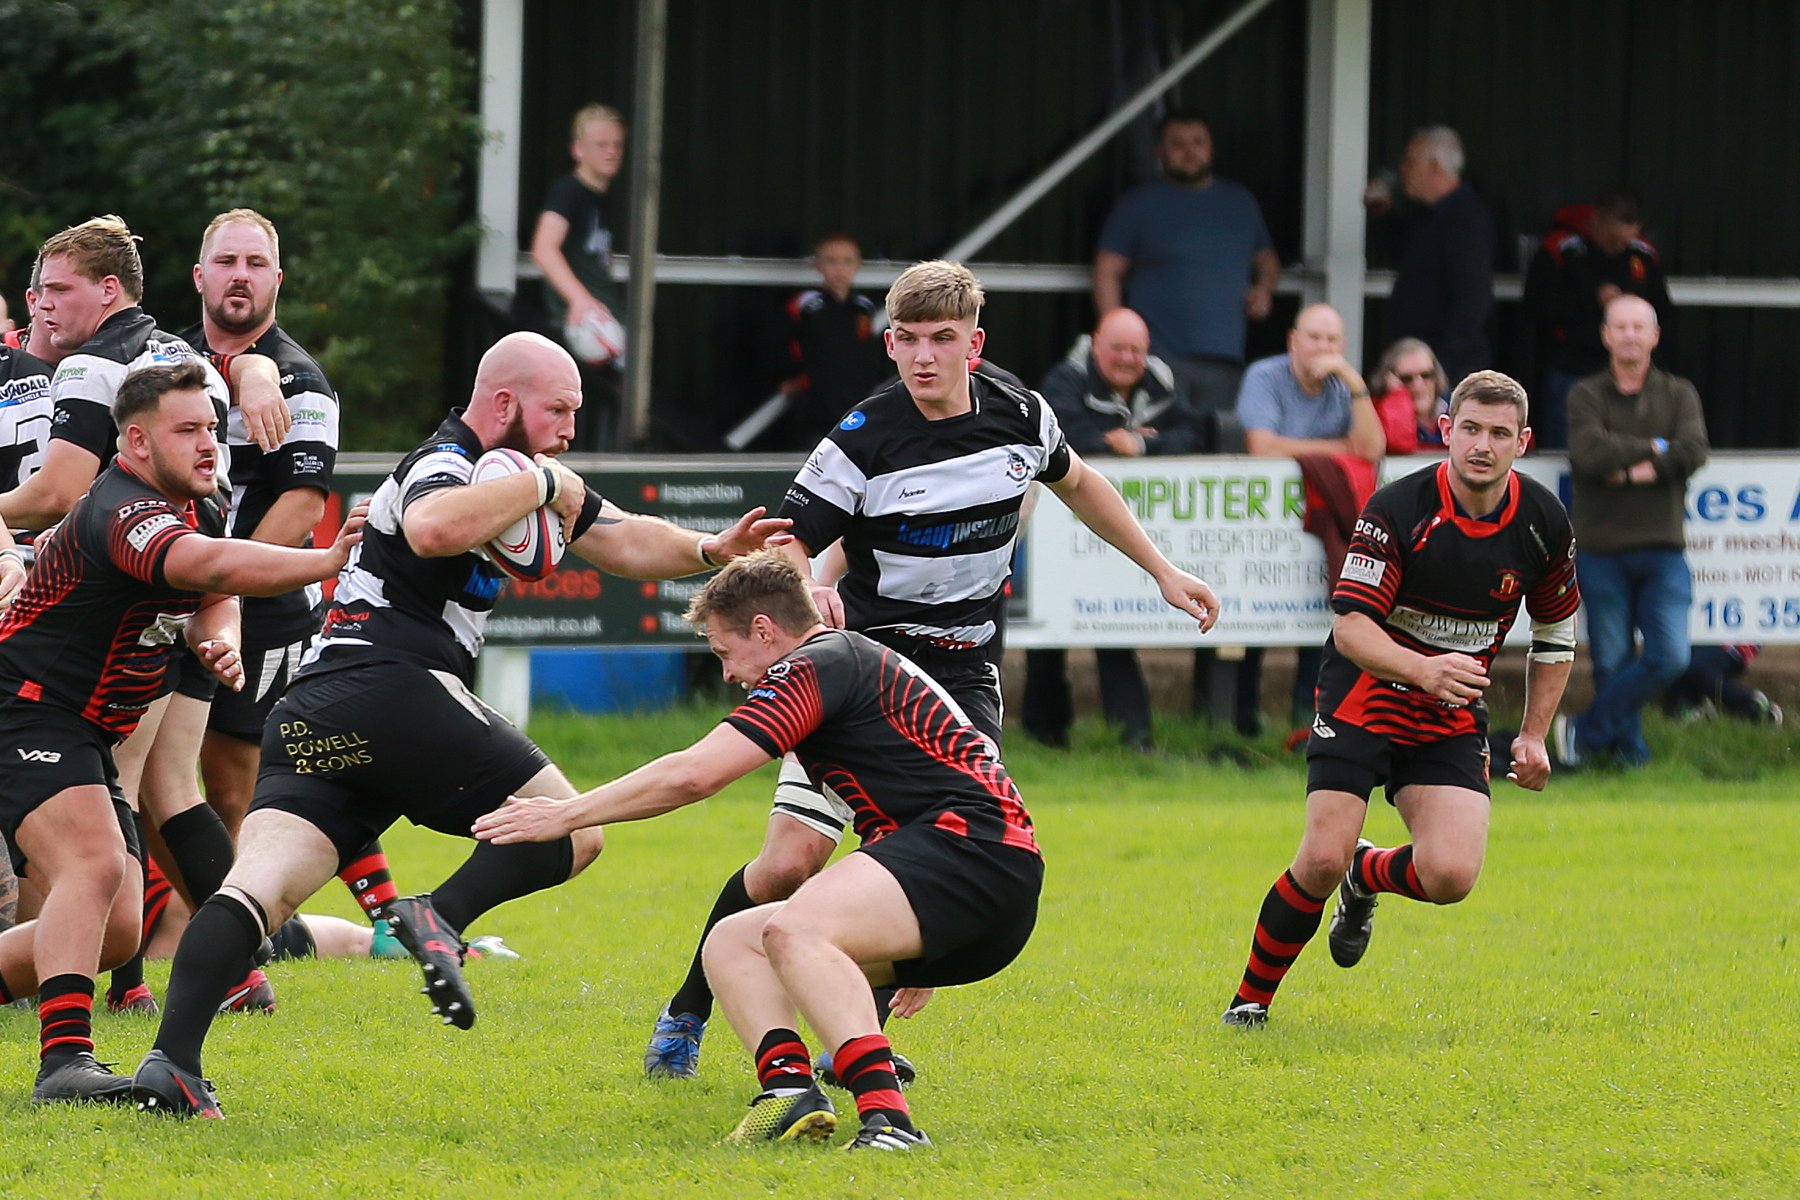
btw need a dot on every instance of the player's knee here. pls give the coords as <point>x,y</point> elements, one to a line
<point>1447,882</point>
<point>733,937</point>
<point>778,873</point>
<point>1317,868</point>
<point>587,843</point>
<point>782,933</point>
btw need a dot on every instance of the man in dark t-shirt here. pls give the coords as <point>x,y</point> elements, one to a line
<point>1436,571</point>
<point>943,891</point>
<point>83,653</point>
<point>573,245</point>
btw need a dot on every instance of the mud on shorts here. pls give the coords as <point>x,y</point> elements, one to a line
<point>353,750</point>
<point>976,901</point>
<point>972,681</point>
<point>45,750</point>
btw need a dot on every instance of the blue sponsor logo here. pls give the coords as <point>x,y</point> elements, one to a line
<point>763,693</point>
<point>484,583</point>
<point>852,420</point>
<point>452,447</point>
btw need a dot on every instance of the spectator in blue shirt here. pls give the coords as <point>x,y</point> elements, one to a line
<point>1307,401</point>
<point>1191,254</point>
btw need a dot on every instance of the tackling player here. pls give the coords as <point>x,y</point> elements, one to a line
<point>944,889</point>
<point>83,651</point>
<point>1436,571</point>
<point>923,482</point>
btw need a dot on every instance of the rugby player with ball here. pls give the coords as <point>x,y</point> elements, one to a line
<point>381,721</point>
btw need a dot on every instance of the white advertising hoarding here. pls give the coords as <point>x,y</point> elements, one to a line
<point>1236,522</point>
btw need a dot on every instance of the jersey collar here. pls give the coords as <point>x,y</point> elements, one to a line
<point>1479,527</point>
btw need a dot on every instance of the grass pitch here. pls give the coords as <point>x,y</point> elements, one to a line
<point>1611,1013</point>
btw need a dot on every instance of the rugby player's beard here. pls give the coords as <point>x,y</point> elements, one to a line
<point>172,482</point>
<point>258,316</point>
<point>513,436</point>
<point>1496,485</point>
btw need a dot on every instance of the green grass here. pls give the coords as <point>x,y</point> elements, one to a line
<point>1611,1013</point>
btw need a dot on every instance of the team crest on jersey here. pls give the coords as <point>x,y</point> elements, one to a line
<point>1507,588</point>
<point>1016,466</point>
<point>852,420</point>
<point>779,671</point>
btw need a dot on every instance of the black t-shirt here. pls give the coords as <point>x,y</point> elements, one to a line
<point>1439,581</point>
<point>96,624</point>
<point>867,723</point>
<point>588,246</point>
<point>305,458</point>
<point>834,344</point>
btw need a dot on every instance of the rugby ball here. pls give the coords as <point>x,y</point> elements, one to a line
<point>597,340</point>
<point>530,547</point>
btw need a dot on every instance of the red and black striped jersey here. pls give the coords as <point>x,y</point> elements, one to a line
<point>869,724</point>
<point>1439,581</point>
<point>94,627</point>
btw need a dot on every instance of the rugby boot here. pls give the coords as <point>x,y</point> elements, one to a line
<point>1354,919</point>
<point>797,1116</point>
<point>162,1087</point>
<point>438,949</point>
<point>877,1134</point>
<point>76,1078</point>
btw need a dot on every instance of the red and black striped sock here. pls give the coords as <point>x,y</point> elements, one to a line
<point>157,890</point>
<point>782,1063</point>
<point>65,1015</point>
<point>1288,920</point>
<point>866,1066</point>
<point>1389,871</point>
<point>370,880</point>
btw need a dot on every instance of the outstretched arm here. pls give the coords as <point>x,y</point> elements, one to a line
<point>1092,497</point>
<point>657,787</point>
<point>640,547</point>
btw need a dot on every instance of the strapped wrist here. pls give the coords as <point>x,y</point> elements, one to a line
<point>705,555</point>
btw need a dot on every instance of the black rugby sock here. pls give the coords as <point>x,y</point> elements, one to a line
<point>201,847</point>
<point>1288,920</point>
<point>1388,871</point>
<point>210,960</point>
<point>492,875</point>
<point>694,995</point>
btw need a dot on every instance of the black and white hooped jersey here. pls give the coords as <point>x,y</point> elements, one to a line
<point>305,458</point>
<point>25,409</point>
<point>1439,581</point>
<point>392,605</point>
<point>87,382</point>
<point>928,510</point>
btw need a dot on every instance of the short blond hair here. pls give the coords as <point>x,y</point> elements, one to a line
<point>935,291</point>
<point>98,247</point>
<point>248,216</point>
<point>765,582</point>
<point>1492,387</point>
<point>594,112</point>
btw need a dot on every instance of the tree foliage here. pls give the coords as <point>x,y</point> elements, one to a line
<point>349,125</point>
